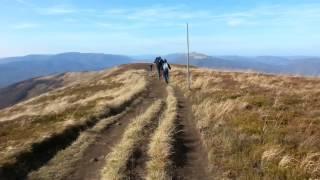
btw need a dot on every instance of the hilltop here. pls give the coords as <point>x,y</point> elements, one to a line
<point>125,123</point>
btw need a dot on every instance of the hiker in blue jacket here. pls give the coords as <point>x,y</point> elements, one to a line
<point>159,62</point>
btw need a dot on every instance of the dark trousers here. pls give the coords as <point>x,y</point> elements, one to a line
<point>159,70</point>
<point>166,75</point>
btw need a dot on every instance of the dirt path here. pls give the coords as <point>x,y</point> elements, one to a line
<point>93,160</point>
<point>190,157</point>
<point>136,165</point>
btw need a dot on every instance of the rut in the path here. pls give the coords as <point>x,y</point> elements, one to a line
<point>136,169</point>
<point>137,163</point>
<point>93,160</point>
<point>190,157</point>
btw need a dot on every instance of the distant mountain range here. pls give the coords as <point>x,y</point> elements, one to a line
<point>303,65</point>
<point>16,69</point>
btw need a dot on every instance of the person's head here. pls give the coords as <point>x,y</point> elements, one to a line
<point>165,60</point>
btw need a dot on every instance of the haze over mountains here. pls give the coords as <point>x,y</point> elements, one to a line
<point>303,65</point>
<point>15,69</point>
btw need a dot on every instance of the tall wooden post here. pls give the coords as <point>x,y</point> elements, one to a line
<point>188,58</point>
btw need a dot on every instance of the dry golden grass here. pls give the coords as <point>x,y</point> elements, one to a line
<point>39,118</point>
<point>256,126</point>
<point>65,160</point>
<point>116,161</point>
<point>77,94</point>
<point>160,166</point>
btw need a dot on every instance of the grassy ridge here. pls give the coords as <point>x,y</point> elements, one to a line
<point>254,125</point>
<point>60,113</point>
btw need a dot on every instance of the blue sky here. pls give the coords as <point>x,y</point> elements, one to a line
<point>228,27</point>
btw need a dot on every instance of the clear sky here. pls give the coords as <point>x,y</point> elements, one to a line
<point>132,27</point>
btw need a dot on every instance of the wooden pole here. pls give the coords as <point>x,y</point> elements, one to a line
<point>188,58</point>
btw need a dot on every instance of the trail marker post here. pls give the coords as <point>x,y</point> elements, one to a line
<point>188,58</point>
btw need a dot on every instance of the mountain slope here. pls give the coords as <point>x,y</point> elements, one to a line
<point>27,89</point>
<point>21,68</point>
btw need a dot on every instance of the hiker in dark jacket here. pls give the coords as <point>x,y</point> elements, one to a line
<point>151,65</point>
<point>159,61</point>
<point>165,67</point>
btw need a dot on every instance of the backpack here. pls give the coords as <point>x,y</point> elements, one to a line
<point>165,66</point>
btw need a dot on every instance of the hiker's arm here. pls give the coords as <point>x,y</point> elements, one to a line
<point>169,66</point>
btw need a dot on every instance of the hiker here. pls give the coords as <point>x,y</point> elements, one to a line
<point>165,69</point>
<point>159,61</point>
<point>151,65</point>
